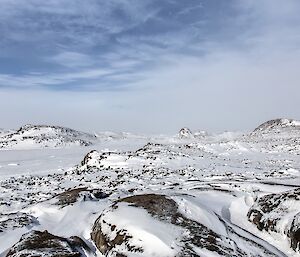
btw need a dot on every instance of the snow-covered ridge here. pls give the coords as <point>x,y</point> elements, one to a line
<point>279,135</point>
<point>41,136</point>
<point>277,124</point>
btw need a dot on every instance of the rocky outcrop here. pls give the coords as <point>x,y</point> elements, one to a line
<point>294,232</point>
<point>92,160</point>
<point>185,133</point>
<point>73,195</point>
<point>16,220</point>
<point>164,231</point>
<point>279,213</point>
<point>36,243</point>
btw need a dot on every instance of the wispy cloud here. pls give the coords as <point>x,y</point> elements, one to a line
<point>89,23</point>
<point>38,80</point>
<point>72,59</point>
<point>60,35</point>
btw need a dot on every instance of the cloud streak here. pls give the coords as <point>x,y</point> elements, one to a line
<point>58,35</point>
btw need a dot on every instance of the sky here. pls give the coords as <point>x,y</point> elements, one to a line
<point>149,66</point>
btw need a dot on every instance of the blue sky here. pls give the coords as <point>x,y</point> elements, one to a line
<point>102,45</point>
<point>150,65</point>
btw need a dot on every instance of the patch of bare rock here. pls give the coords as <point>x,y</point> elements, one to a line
<point>279,213</point>
<point>37,243</point>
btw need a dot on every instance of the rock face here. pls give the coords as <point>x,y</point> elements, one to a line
<point>151,225</point>
<point>41,136</point>
<point>185,133</point>
<point>36,243</point>
<point>279,213</point>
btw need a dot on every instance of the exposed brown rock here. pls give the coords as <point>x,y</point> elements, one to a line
<point>71,196</point>
<point>36,243</point>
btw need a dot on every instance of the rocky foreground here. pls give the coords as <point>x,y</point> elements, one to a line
<point>191,195</point>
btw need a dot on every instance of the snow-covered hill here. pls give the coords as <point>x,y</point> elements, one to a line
<point>41,136</point>
<point>228,195</point>
<point>278,126</point>
<point>280,135</point>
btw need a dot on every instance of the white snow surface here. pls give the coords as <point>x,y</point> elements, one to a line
<point>211,178</point>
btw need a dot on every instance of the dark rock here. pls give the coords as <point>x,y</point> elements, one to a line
<point>98,194</point>
<point>270,209</point>
<point>36,243</point>
<point>70,196</point>
<point>73,195</point>
<point>294,233</point>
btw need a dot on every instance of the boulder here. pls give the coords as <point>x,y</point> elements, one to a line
<point>37,243</point>
<point>73,195</point>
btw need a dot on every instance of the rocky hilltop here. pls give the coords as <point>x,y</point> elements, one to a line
<point>279,135</point>
<point>278,126</point>
<point>42,136</point>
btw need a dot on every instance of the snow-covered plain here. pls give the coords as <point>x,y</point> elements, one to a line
<point>214,180</point>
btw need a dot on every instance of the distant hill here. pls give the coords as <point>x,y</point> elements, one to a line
<point>277,125</point>
<point>42,136</point>
<point>278,135</point>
